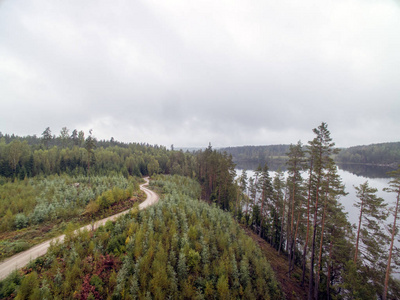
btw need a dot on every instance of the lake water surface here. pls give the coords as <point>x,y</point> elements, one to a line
<point>355,177</point>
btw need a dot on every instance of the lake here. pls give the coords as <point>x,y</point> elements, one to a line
<point>353,175</point>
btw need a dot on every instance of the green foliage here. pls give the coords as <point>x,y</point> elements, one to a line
<point>379,154</point>
<point>216,176</point>
<point>198,225</point>
<point>32,206</point>
<point>23,203</point>
<point>21,246</point>
<point>29,288</point>
<point>355,283</point>
<point>21,221</point>
<point>9,285</point>
<point>31,156</point>
<point>247,156</point>
<point>180,247</point>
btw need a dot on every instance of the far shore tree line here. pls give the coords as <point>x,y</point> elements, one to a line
<point>381,155</point>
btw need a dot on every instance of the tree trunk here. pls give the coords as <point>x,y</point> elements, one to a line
<point>282,224</point>
<point>291,267</point>
<point>385,290</point>
<point>237,200</point>
<point>311,279</point>
<point>308,228</point>
<point>261,212</point>
<point>292,223</point>
<point>247,207</point>
<point>317,278</point>
<point>88,165</point>
<point>288,229</point>
<point>359,228</point>
<point>328,276</point>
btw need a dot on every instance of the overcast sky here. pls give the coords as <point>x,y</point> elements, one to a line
<point>192,72</point>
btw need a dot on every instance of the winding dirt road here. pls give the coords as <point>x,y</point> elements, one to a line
<point>22,259</point>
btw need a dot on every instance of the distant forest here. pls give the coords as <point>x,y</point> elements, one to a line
<point>248,157</point>
<point>375,154</point>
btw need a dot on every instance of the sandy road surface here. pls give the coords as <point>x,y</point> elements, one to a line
<point>22,259</point>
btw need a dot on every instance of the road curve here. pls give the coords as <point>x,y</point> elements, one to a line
<point>22,259</point>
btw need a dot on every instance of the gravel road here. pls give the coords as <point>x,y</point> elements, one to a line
<point>22,259</point>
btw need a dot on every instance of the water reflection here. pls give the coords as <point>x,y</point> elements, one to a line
<point>366,171</point>
<point>351,176</point>
<point>350,180</point>
<point>252,165</point>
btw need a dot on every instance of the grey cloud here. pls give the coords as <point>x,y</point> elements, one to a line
<point>191,73</point>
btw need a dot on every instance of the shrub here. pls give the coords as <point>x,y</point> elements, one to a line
<point>21,246</point>
<point>9,285</point>
<point>21,221</point>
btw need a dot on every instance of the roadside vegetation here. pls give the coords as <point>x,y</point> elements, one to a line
<point>36,209</point>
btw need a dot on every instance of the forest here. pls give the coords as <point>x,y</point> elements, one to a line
<point>383,154</point>
<point>246,156</point>
<point>180,248</point>
<point>376,154</point>
<point>300,215</point>
<point>50,182</point>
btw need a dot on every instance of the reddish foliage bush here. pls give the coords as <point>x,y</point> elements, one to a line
<point>102,267</point>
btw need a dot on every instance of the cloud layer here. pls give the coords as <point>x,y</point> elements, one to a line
<point>188,73</point>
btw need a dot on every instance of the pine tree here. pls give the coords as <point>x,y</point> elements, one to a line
<point>320,149</point>
<point>394,187</point>
<point>332,189</point>
<point>74,137</point>
<point>251,191</point>
<point>266,195</point>
<point>295,164</point>
<point>242,190</point>
<point>90,145</point>
<point>310,176</point>
<point>46,137</point>
<point>372,214</point>
<point>64,136</point>
<point>278,206</point>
